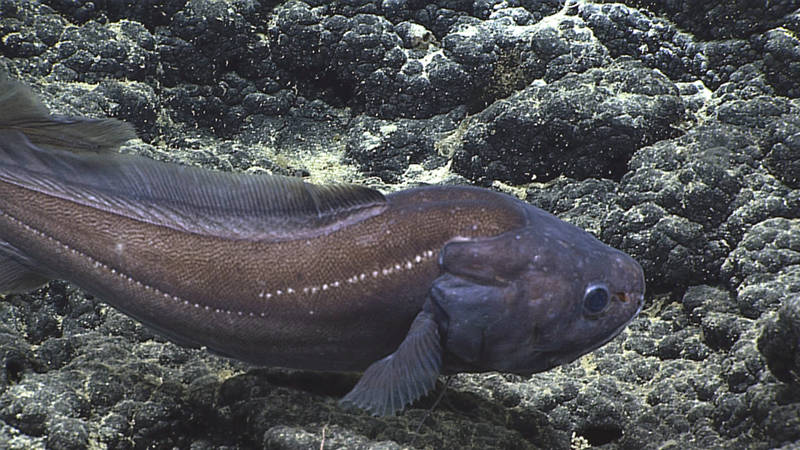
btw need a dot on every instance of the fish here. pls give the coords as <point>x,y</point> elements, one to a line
<point>274,271</point>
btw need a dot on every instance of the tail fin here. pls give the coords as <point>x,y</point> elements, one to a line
<point>21,111</point>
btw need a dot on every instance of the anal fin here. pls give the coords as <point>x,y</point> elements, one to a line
<point>390,384</point>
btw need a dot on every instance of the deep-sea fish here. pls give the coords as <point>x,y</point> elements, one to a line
<point>279,272</point>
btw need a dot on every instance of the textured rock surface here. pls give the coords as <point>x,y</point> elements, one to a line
<point>580,126</point>
<point>670,129</point>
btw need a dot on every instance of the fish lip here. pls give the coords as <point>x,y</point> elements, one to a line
<point>627,297</point>
<point>638,297</point>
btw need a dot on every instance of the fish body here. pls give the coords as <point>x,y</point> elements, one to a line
<point>274,271</point>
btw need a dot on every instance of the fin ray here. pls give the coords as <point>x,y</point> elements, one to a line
<point>390,384</point>
<point>17,273</point>
<point>69,158</point>
<point>21,110</point>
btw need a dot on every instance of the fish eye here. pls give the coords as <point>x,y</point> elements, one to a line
<point>596,299</point>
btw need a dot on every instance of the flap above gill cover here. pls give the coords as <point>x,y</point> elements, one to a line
<point>492,260</point>
<point>72,159</point>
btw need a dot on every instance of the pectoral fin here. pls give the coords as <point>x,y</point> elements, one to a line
<point>395,381</point>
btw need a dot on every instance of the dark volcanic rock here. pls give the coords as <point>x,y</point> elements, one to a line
<point>673,201</point>
<point>581,126</point>
<point>721,20</point>
<point>783,157</point>
<point>386,148</point>
<point>780,342</point>
<point>782,61</point>
<point>765,267</point>
<point>670,129</point>
<point>151,12</point>
<point>626,31</point>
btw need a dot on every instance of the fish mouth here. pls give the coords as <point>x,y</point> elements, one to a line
<point>558,359</point>
<point>626,297</point>
<point>631,297</point>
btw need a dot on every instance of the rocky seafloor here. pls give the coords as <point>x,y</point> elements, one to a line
<point>670,129</point>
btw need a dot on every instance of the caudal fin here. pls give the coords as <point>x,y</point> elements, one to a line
<point>21,111</point>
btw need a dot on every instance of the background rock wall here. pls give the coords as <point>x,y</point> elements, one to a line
<point>671,129</point>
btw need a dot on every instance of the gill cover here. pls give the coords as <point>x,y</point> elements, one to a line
<point>480,301</point>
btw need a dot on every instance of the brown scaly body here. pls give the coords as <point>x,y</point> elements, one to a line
<point>278,272</point>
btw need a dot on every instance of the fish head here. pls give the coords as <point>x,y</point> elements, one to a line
<point>532,298</point>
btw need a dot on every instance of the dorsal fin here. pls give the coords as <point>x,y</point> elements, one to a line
<point>18,102</point>
<point>21,110</point>
<point>68,158</point>
<point>184,198</point>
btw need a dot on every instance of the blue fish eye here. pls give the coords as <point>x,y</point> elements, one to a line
<point>596,299</point>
